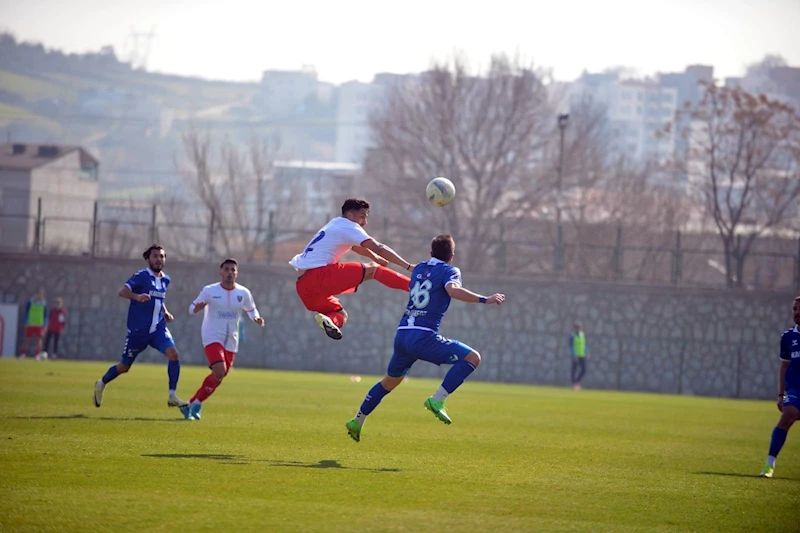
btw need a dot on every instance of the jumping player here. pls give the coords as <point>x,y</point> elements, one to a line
<point>147,324</point>
<point>223,304</point>
<point>321,277</point>
<point>788,389</point>
<point>435,283</point>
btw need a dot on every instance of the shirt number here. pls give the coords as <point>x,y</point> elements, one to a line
<point>420,293</point>
<point>310,247</point>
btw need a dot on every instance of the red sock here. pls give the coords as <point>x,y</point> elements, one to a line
<point>208,387</point>
<point>390,278</point>
<point>337,318</point>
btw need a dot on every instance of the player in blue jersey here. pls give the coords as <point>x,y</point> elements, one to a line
<point>147,324</point>
<point>788,389</point>
<point>433,284</point>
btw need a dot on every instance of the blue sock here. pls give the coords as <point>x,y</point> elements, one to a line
<point>174,372</point>
<point>778,438</point>
<point>111,374</point>
<point>456,375</point>
<point>373,398</point>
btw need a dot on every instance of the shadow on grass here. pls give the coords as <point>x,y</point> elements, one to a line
<point>84,417</point>
<point>736,474</point>
<point>328,463</point>
<point>225,457</point>
<point>241,460</point>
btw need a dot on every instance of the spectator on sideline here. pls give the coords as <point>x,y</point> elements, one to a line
<point>580,353</point>
<point>56,322</point>
<point>35,320</point>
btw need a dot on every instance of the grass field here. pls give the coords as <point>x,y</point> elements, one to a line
<point>271,454</point>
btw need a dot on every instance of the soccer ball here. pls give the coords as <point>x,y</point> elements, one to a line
<point>42,356</point>
<point>440,191</point>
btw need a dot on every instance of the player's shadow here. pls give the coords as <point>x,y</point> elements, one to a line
<point>232,459</point>
<point>737,474</point>
<point>222,457</point>
<point>327,463</point>
<point>81,416</point>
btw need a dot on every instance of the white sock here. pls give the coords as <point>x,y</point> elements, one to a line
<point>440,395</point>
<point>361,417</point>
<point>172,392</point>
<point>771,461</point>
<point>197,402</point>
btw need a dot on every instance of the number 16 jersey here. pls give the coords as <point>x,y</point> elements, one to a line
<point>428,300</point>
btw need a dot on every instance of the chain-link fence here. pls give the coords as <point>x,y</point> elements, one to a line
<point>533,248</point>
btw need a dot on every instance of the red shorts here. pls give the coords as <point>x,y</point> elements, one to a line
<point>318,287</point>
<point>34,331</point>
<point>215,353</point>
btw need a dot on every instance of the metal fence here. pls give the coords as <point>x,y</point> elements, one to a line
<point>537,249</point>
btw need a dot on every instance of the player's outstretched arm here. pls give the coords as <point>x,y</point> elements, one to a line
<point>126,292</point>
<point>387,253</point>
<point>457,292</point>
<point>360,250</point>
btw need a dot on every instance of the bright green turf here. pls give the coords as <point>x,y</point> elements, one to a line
<point>272,454</point>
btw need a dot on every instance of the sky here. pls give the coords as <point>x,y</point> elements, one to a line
<point>352,39</point>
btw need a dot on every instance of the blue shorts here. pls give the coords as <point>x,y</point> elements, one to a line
<point>136,343</point>
<point>792,397</point>
<point>413,344</point>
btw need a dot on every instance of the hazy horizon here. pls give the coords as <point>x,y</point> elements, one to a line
<point>354,40</point>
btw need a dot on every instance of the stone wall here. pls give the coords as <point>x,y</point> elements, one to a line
<point>658,339</point>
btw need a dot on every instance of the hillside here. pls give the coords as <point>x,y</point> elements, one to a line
<point>131,119</point>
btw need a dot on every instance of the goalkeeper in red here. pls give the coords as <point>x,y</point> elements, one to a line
<point>223,304</point>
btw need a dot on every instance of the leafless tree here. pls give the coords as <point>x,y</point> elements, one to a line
<point>235,190</point>
<point>744,164</point>
<point>483,130</point>
<point>605,191</point>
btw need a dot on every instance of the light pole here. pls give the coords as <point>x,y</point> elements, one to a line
<point>563,120</point>
<point>558,266</point>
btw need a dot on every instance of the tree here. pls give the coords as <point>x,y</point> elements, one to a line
<point>485,131</point>
<point>744,164</point>
<point>605,192</point>
<point>237,195</point>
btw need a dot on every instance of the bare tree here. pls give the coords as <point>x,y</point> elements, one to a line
<point>237,195</point>
<point>744,163</point>
<point>484,131</point>
<point>606,192</point>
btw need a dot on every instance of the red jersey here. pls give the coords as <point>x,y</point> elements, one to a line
<point>56,320</point>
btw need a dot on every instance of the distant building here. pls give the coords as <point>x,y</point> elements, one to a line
<point>66,180</point>
<point>638,114</point>
<point>307,194</point>
<point>780,83</point>
<point>283,90</point>
<point>688,83</point>
<point>356,102</point>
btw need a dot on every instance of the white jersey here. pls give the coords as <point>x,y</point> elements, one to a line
<point>222,313</point>
<point>330,244</point>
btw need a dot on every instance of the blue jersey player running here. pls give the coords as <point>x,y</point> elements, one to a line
<point>788,389</point>
<point>147,324</point>
<point>433,284</point>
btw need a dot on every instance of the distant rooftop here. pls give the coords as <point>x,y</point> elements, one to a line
<point>21,156</point>
<point>319,165</point>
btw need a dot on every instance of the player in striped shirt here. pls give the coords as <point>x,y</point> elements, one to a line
<point>147,324</point>
<point>788,389</point>
<point>434,284</point>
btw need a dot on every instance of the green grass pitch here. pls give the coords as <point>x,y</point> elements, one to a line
<point>271,454</point>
